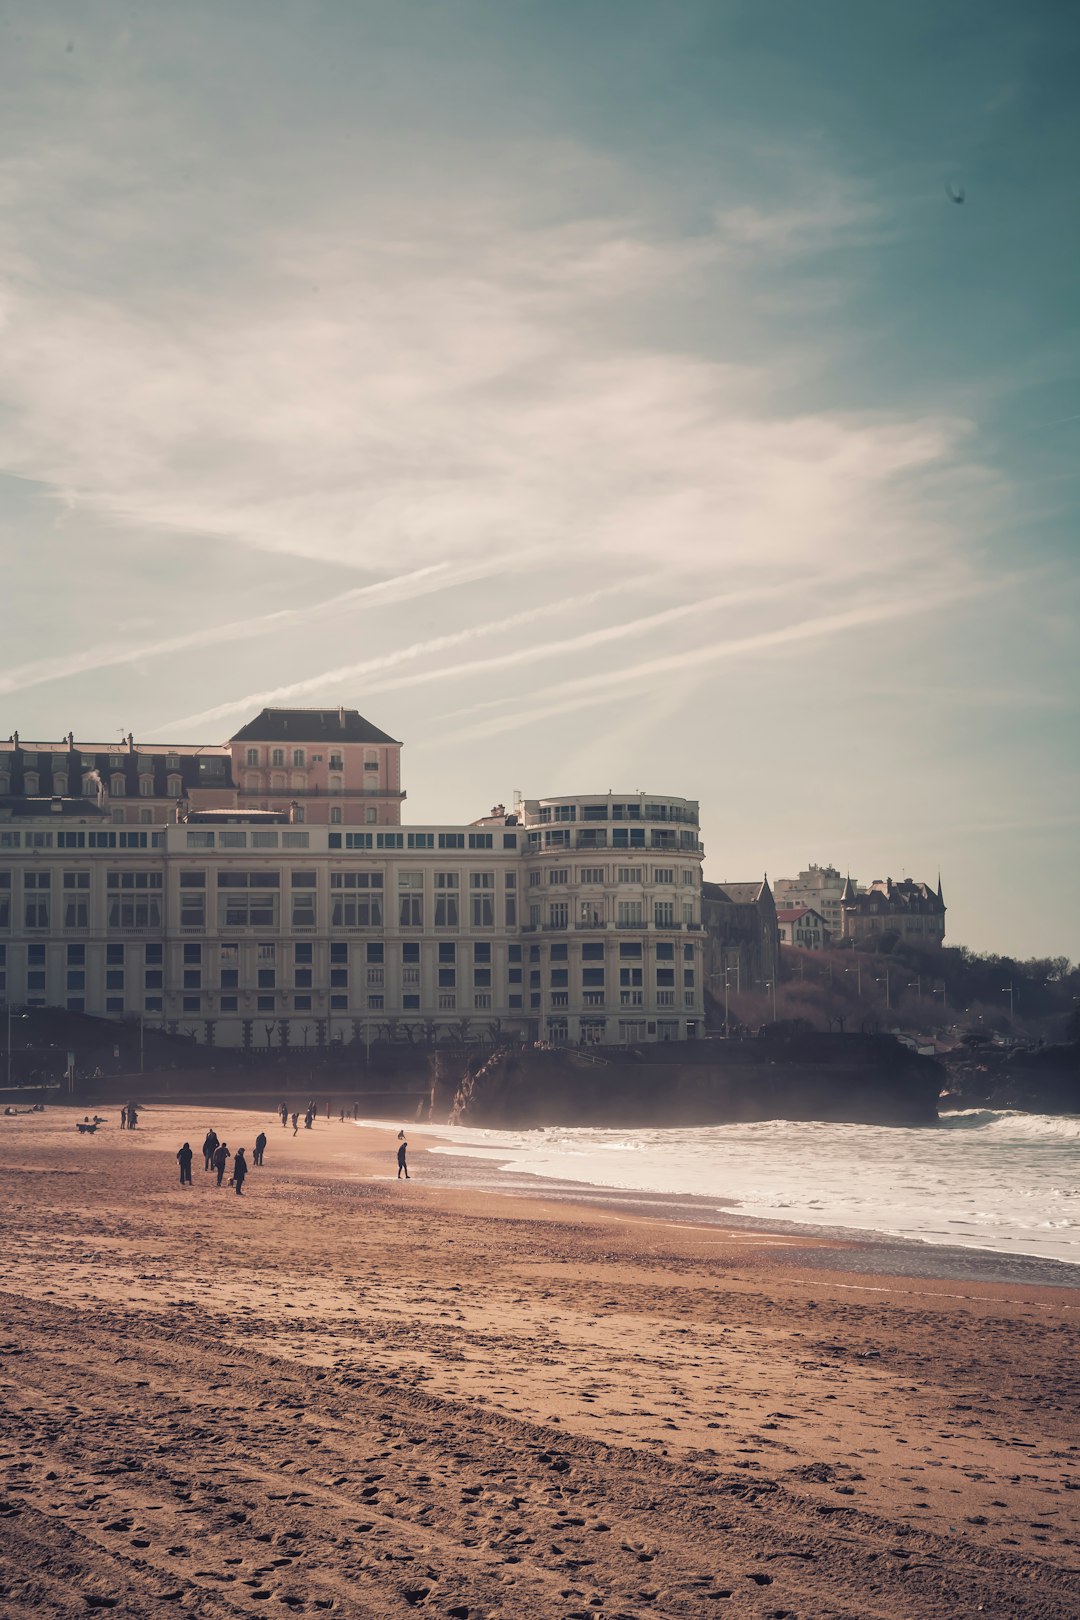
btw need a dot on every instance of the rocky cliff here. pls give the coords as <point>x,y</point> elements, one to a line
<point>850,1080</point>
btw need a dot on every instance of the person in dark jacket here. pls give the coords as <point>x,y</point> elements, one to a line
<point>260,1148</point>
<point>239,1170</point>
<point>210,1142</point>
<point>221,1159</point>
<point>183,1159</point>
<point>401,1152</point>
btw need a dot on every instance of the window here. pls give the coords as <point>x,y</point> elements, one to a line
<point>665,951</point>
<point>335,815</point>
<point>418,840</point>
<point>252,756</point>
<point>192,954</point>
<point>264,840</point>
<point>558,914</point>
<point>154,1004</point>
<point>200,840</point>
<point>302,978</point>
<point>481,978</point>
<point>337,761</point>
<point>134,899</point>
<point>339,953</point>
<point>114,955</point>
<point>152,979</point>
<point>146,787</point>
<point>232,840</point>
<point>592,874</point>
<point>663,874</point>
<point>389,840</point>
<point>481,885</point>
<point>302,1003</point>
<point>76,979</point>
<point>71,840</point>
<point>76,901</point>
<point>593,976</point>
<point>629,914</point>
<point>665,976</point>
<point>356,899</point>
<point>450,840</point>
<point>592,953</point>
<point>264,1004</point>
<point>35,892</point>
<point>446,900</point>
<point>630,952</point>
<point>30,782</point>
<point>76,956</point>
<point>560,978</point>
<point>192,978</point>
<point>296,840</point>
<point>664,913</point>
<point>117,787</point>
<point>509,840</point>
<point>370,815</point>
<point>375,1003</point>
<point>193,899</point>
<point>115,1005</point>
<point>338,1003</point>
<point>248,899</point>
<point>277,756</point>
<point>230,979</point>
<point>558,875</point>
<point>628,874</point>
<point>447,952</point>
<point>447,1000</point>
<point>481,840</point>
<point>303,899</point>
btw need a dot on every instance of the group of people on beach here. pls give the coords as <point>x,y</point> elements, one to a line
<point>216,1156</point>
<point>216,1153</point>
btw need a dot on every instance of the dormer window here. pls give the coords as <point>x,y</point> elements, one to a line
<point>172,763</point>
<point>89,787</point>
<point>117,787</point>
<point>146,787</point>
<point>115,760</point>
<point>30,782</point>
<point>175,787</point>
<point>60,782</point>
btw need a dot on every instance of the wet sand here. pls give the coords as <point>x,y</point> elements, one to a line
<point>349,1395</point>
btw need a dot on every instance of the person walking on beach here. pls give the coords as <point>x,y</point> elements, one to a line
<point>221,1159</point>
<point>239,1171</point>
<point>210,1142</point>
<point>284,1112</point>
<point>295,1123</point>
<point>183,1159</point>
<point>260,1148</point>
<point>402,1150</point>
<point>123,1119</point>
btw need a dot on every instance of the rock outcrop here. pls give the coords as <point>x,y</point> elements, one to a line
<point>843,1079</point>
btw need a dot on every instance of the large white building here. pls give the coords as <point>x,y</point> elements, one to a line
<point>264,893</point>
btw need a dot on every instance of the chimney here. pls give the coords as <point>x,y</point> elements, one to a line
<point>341,718</point>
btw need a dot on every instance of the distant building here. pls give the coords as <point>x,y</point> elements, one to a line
<point>264,893</point>
<point>742,942</point>
<point>803,927</point>
<point>914,911</point>
<point>820,887</point>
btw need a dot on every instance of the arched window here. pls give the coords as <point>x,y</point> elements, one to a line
<point>176,787</point>
<point>30,781</point>
<point>146,787</point>
<point>253,756</point>
<point>60,781</point>
<point>90,787</point>
<point>117,787</point>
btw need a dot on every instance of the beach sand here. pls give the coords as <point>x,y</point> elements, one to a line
<point>349,1395</point>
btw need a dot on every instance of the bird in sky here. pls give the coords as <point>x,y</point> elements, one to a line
<point>955,194</point>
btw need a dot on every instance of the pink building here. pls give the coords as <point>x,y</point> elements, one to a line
<point>328,767</point>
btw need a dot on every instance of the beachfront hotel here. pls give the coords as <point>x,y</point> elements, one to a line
<point>264,893</point>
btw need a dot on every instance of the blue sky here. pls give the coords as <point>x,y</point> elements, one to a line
<point>595,395</point>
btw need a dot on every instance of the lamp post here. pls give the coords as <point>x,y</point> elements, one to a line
<point>939,990</point>
<point>916,985</point>
<point>770,984</point>
<point>885,981</point>
<point>857,970</point>
<point>12,1014</point>
<point>1007,990</point>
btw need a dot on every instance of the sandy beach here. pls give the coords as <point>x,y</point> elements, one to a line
<point>346,1394</point>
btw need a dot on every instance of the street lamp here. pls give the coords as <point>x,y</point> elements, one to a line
<point>770,984</point>
<point>885,981</point>
<point>916,985</point>
<point>12,1014</point>
<point>857,970</point>
<point>1007,990</point>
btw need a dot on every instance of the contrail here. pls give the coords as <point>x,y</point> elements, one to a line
<point>403,655</point>
<point>399,588</point>
<point>579,693</point>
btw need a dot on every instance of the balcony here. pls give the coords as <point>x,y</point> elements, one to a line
<point>597,923</point>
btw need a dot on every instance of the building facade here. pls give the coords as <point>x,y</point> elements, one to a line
<point>819,887</point>
<point>265,894</point>
<point>915,912</point>
<point>802,927</point>
<point>742,941</point>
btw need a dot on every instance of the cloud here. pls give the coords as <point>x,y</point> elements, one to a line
<point>419,581</point>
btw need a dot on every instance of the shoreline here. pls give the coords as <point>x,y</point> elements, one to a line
<point>343,1392</point>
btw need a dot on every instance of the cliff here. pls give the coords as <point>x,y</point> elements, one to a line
<point>842,1079</point>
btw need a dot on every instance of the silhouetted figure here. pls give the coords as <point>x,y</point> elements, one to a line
<point>221,1159</point>
<point>284,1112</point>
<point>123,1119</point>
<point>239,1171</point>
<point>401,1165</point>
<point>133,1118</point>
<point>183,1159</point>
<point>295,1123</point>
<point>308,1118</point>
<point>260,1148</point>
<point>210,1142</point>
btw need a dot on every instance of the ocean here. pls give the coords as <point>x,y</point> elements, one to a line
<point>1004,1182</point>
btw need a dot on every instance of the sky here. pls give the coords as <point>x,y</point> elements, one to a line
<point>595,395</point>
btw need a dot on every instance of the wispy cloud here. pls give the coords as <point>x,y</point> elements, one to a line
<point>402,588</point>
<point>569,695</point>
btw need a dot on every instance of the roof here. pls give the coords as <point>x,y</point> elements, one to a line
<point>311,725</point>
<point>792,914</point>
<point>736,894</point>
